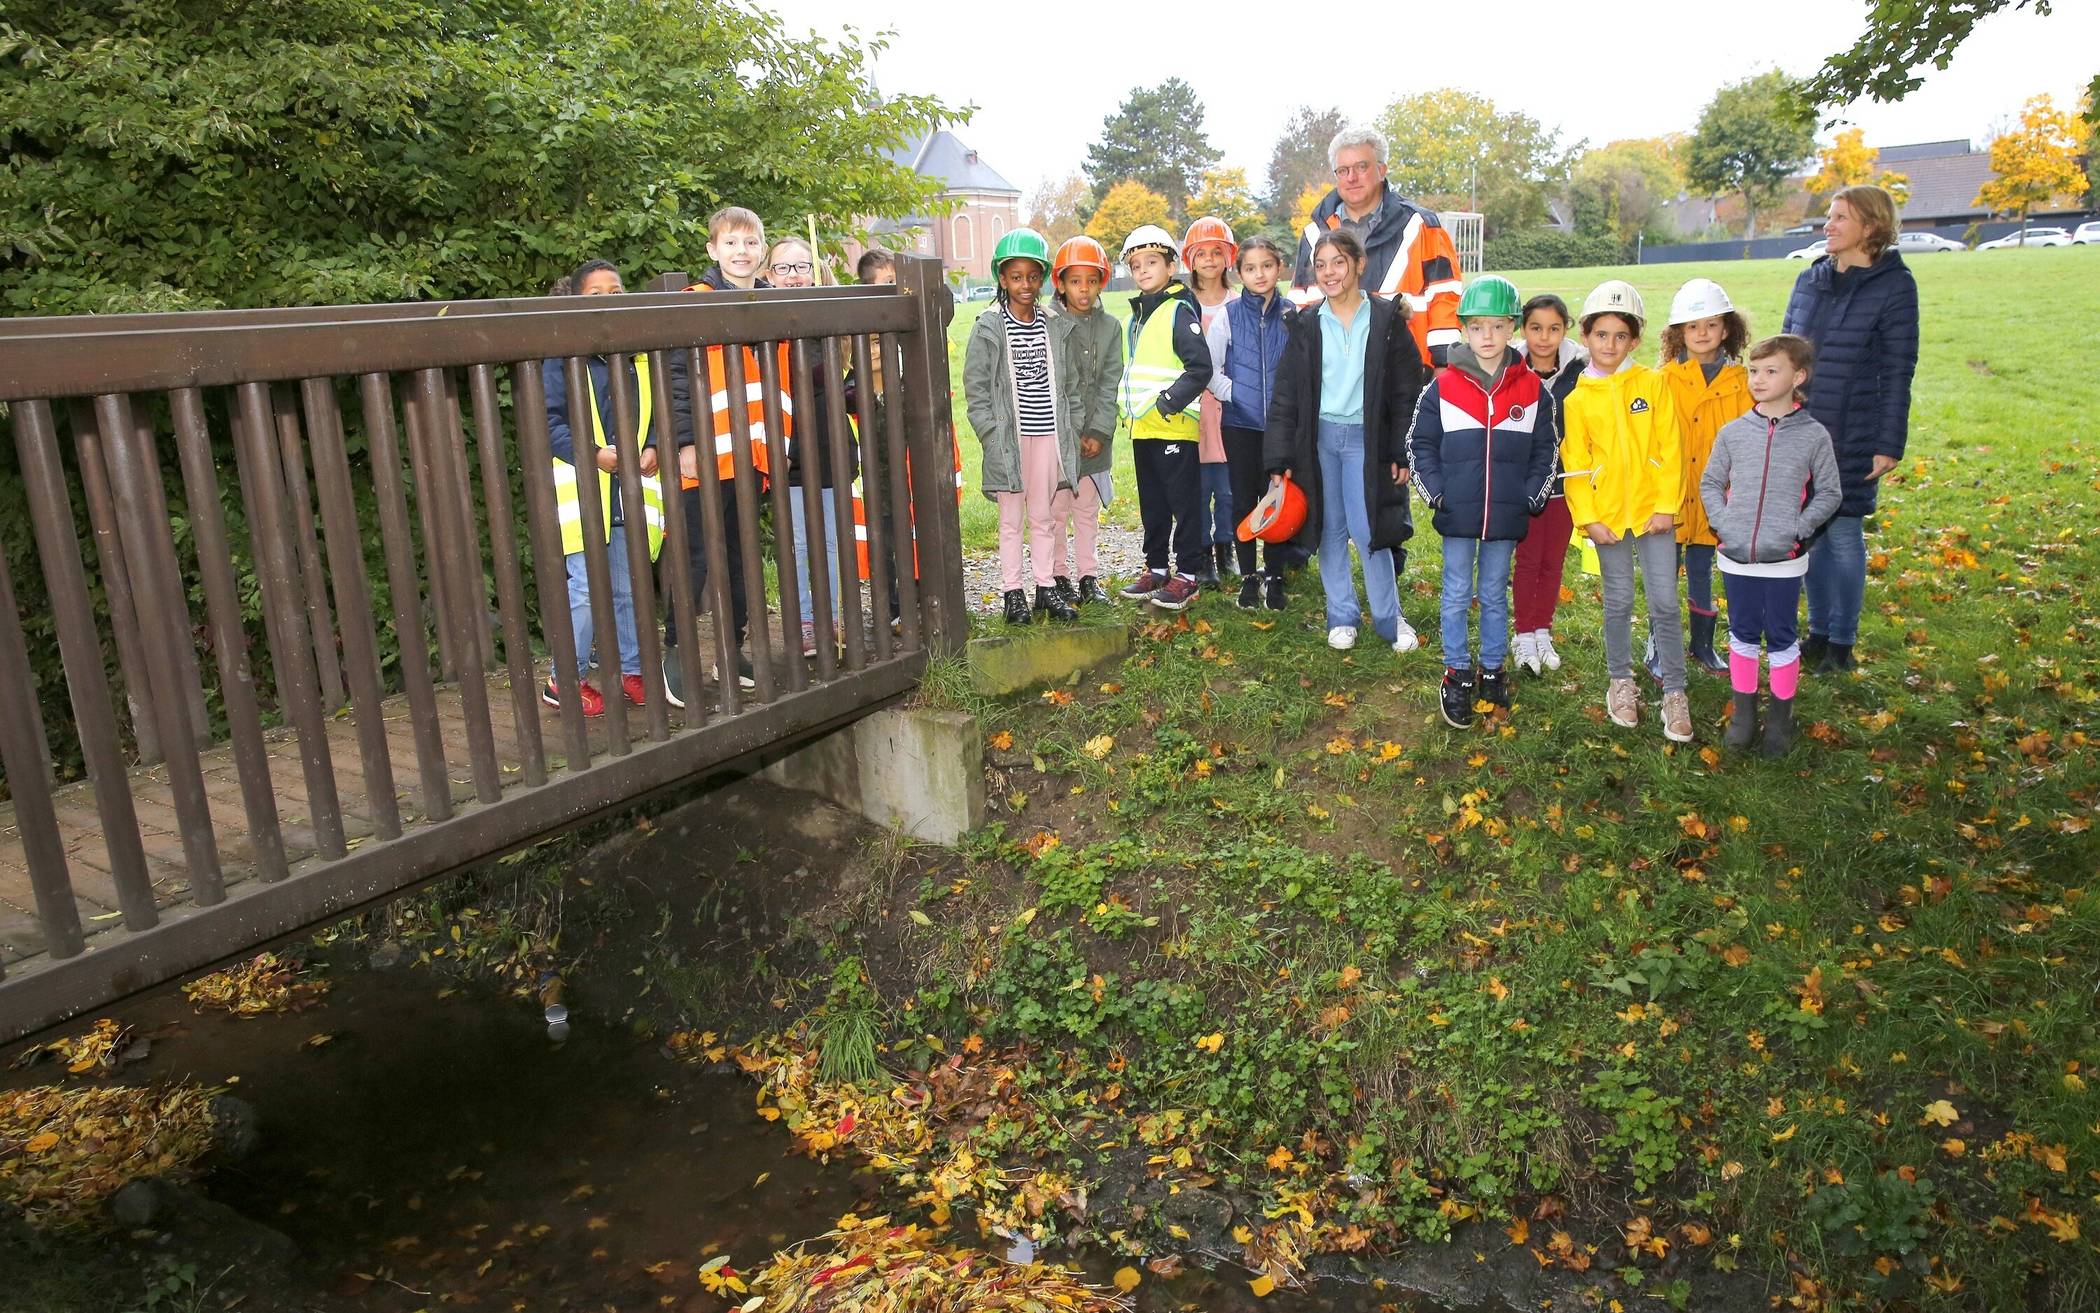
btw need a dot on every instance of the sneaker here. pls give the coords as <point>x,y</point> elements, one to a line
<point>1547,656</point>
<point>674,679</point>
<point>631,689</point>
<point>809,638</point>
<point>1017,612</point>
<point>1342,637</point>
<point>1408,639</point>
<point>1090,590</point>
<point>746,674</point>
<point>1272,593</point>
<point>1052,603</point>
<point>1250,593</point>
<point>1455,699</point>
<point>1176,594</point>
<point>1141,588</point>
<point>1677,718</point>
<point>1063,584</point>
<point>593,703</point>
<point>1524,651</point>
<point>1622,702</point>
<point>1494,687</point>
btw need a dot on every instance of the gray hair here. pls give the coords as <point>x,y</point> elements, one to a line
<point>1356,134</point>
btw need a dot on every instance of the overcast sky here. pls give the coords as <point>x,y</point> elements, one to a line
<point>1643,69</point>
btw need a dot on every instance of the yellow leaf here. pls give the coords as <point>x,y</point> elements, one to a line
<point>1099,746</point>
<point>41,1143</point>
<point>1779,1137</point>
<point>1242,1235</point>
<point>1519,1231</point>
<point>1003,740</point>
<point>1212,1042</point>
<point>1127,1279</point>
<point>1940,1113</point>
<point>1262,1286</point>
<point>1497,988</point>
<point>1954,1148</point>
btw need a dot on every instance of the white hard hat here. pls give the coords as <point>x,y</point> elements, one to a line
<point>1614,296</point>
<point>1701,298</point>
<point>1151,235</point>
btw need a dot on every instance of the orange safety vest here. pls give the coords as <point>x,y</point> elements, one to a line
<point>860,511</point>
<point>720,390</point>
<point>1432,307</point>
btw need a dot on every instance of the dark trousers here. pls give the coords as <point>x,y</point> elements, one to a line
<point>1250,483</point>
<point>1763,610</point>
<point>696,559</point>
<point>1170,502</point>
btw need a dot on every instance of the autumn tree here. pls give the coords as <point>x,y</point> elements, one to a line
<point>1129,204</point>
<point>1057,209</point>
<point>2035,162</point>
<point>1848,161</point>
<point>1619,190</point>
<point>1308,200</point>
<point>1453,150</point>
<point>1300,157</point>
<point>1752,135</point>
<point>1225,194</point>
<point>1155,137</point>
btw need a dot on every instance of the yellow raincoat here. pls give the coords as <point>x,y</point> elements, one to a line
<point>1622,450</point>
<point>1702,408</point>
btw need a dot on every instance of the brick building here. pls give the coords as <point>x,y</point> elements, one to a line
<point>985,206</point>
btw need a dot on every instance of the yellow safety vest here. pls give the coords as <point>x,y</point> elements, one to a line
<point>1153,368</point>
<point>566,508</point>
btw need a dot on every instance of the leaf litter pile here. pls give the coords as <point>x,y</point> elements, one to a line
<point>64,1150</point>
<point>264,983</point>
<point>868,1265</point>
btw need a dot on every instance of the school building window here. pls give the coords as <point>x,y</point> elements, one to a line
<point>965,243</point>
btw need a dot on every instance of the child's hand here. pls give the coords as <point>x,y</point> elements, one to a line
<point>1600,534</point>
<point>1276,480</point>
<point>688,463</point>
<point>1400,475</point>
<point>608,459</point>
<point>1660,523</point>
<point>649,461</point>
<point>1090,447</point>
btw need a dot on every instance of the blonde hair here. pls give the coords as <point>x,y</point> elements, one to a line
<point>734,218</point>
<point>1876,211</point>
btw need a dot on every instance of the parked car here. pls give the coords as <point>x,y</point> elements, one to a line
<point>1926,243</point>
<point>2032,237</point>
<point>1810,251</point>
<point>983,293</point>
<point>2088,234</point>
<point>1812,226</point>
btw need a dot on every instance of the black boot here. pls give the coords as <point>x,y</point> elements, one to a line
<point>1812,650</point>
<point>1701,649</point>
<point>1227,563</point>
<point>1090,590</point>
<point>1456,697</point>
<point>1250,593</point>
<point>1206,571</point>
<point>1837,660</point>
<point>1779,728</point>
<point>1066,591</point>
<point>1053,603</point>
<point>1017,607</point>
<point>1742,723</point>
<point>1272,590</point>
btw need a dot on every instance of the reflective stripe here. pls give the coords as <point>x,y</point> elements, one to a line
<point>1402,259</point>
<point>568,510</point>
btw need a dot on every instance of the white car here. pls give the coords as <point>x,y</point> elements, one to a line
<point>2031,237</point>
<point>1810,251</point>
<point>2088,234</point>
<point>1926,243</point>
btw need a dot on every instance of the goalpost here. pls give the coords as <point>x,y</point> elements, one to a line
<point>1466,234</point>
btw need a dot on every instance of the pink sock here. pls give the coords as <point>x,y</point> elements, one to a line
<point>1742,672</point>
<point>1785,680</point>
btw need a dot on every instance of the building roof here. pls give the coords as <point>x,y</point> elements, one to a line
<point>1942,186</point>
<point>1924,150</point>
<point>943,155</point>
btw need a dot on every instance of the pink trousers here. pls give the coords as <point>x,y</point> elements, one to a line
<point>1082,510</point>
<point>1044,504</point>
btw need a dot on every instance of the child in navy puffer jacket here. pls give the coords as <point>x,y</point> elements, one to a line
<point>1257,324</point>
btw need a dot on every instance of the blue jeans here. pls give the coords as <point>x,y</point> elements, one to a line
<point>1837,580</point>
<point>832,544</point>
<point>1344,517</point>
<point>1218,525</point>
<point>1465,561</point>
<point>1698,561</point>
<point>580,619</point>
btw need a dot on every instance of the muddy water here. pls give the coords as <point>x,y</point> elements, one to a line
<point>438,1148</point>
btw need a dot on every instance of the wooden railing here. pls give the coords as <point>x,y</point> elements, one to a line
<point>269,718</point>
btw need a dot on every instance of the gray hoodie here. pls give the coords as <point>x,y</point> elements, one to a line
<point>1770,485</point>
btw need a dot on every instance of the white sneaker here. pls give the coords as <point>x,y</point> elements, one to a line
<point>1524,651</point>
<point>1547,655</point>
<point>1408,640</point>
<point>1342,637</point>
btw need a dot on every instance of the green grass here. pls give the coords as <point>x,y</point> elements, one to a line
<point>1551,960</point>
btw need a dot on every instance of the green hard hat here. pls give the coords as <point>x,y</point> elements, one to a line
<point>1489,296</point>
<point>1026,244</point>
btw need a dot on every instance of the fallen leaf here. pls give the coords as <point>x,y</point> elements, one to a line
<point>1127,1279</point>
<point>1940,1113</point>
<point>1262,1286</point>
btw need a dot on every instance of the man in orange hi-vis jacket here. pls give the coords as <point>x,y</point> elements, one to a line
<point>1407,250</point>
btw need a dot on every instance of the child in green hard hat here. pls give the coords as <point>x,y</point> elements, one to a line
<point>1031,457</point>
<point>1483,455</point>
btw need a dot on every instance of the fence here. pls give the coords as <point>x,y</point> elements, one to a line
<point>346,594</point>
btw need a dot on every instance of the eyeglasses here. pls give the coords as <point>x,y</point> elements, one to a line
<point>803,267</point>
<point>1351,170</point>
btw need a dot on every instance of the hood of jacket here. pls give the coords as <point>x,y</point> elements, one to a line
<point>1463,359</point>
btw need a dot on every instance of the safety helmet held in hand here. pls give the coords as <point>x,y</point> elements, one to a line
<point>1210,228</point>
<point>1701,298</point>
<point>1278,516</point>
<point>1021,244</point>
<point>1614,296</point>
<point>1078,253</point>
<point>1150,236</point>
<point>1490,296</point>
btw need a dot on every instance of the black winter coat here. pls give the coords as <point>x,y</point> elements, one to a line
<point>1393,375</point>
<point>1864,324</point>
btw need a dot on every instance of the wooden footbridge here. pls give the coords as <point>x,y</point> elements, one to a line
<point>302,572</point>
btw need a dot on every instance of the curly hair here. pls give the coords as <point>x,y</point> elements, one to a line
<point>1735,334</point>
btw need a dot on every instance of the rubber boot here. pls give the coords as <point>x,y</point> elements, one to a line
<point>1812,649</point>
<point>1779,728</point>
<point>1837,660</point>
<point>1701,649</point>
<point>1742,724</point>
<point>1017,607</point>
<point>1051,602</point>
<point>1228,561</point>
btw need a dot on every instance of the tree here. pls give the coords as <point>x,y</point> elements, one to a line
<point>1155,137</point>
<point>1308,201</point>
<point>1903,36</point>
<point>1128,205</point>
<point>365,150</point>
<point>1300,157</point>
<point>1057,210</point>
<point>1848,161</point>
<point>1750,137</point>
<point>1225,194</point>
<point>1453,150</point>
<point>1619,190</point>
<point>2036,162</point>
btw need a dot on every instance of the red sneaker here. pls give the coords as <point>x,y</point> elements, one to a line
<point>1176,594</point>
<point>631,688</point>
<point>593,704</point>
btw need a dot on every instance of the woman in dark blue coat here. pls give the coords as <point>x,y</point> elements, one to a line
<point>1859,305</point>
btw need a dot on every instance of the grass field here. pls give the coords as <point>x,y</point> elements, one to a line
<point>1656,1013</point>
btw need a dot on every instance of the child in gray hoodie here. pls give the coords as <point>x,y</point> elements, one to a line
<point>1769,488</point>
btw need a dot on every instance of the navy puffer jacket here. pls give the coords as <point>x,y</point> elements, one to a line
<point>1258,335</point>
<point>1864,324</point>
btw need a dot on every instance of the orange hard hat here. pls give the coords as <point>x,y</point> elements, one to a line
<point>1078,253</point>
<point>1210,228</point>
<point>1278,516</point>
